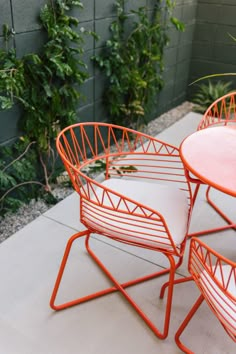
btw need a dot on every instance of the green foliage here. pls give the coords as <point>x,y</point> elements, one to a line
<point>46,84</point>
<point>125,169</point>
<point>101,165</point>
<point>208,93</point>
<point>51,104</point>
<point>16,171</point>
<point>133,62</point>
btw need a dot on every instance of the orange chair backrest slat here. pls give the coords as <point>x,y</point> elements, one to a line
<point>220,112</point>
<point>215,276</point>
<point>124,153</point>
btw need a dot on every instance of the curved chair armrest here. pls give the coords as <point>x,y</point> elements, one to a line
<point>212,262</point>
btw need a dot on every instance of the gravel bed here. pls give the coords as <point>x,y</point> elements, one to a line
<point>12,223</point>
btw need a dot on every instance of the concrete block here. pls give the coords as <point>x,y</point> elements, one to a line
<point>30,42</point>
<point>202,50</point>
<point>134,5</point>
<point>86,113</point>
<point>208,12</point>
<point>189,12</point>
<point>100,83</point>
<point>101,113</point>
<point>174,36</point>
<point>186,37</point>
<point>26,14</point>
<point>9,124</point>
<point>104,9</point>
<point>85,14</point>
<point>205,32</point>
<point>170,56</point>
<point>224,53</point>
<point>5,14</point>
<point>184,52</point>
<point>86,58</point>
<point>87,92</point>
<point>102,28</point>
<point>227,14</point>
<point>88,43</point>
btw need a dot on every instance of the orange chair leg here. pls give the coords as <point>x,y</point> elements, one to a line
<point>196,192</point>
<point>176,281</point>
<point>93,295</point>
<point>219,211</point>
<point>121,288</point>
<point>60,275</point>
<point>117,286</point>
<point>185,323</point>
<point>231,224</point>
<point>61,271</point>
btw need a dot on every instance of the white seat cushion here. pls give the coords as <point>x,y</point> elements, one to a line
<point>223,305</point>
<point>169,201</point>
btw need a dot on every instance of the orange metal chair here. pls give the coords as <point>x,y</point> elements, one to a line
<point>215,277</point>
<point>144,201</point>
<point>220,112</point>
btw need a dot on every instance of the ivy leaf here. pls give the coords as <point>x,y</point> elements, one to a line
<point>77,3</point>
<point>6,102</point>
<point>6,180</point>
<point>178,24</point>
<point>48,90</point>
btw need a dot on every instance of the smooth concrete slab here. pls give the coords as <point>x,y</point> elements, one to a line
<point>13,342</point>
<point>29,262</point>
<point>67,212</point>
<point>181,129</point>
<point>106,325</point>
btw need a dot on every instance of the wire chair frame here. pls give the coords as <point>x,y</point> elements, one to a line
<point>128,156</point>
<point>221,112</point>
<point>215,277</point>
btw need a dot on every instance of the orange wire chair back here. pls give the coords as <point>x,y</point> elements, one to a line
<point>109,208</point>
<point>220,112</point>
<point>215,277</point>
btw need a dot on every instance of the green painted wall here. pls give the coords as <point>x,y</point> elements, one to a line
<point>188,55</point>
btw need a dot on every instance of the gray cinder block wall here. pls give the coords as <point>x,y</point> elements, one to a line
<point>213,50</point>
<point>180,56</point>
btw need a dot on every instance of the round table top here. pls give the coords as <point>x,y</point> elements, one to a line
<point>210,154</point>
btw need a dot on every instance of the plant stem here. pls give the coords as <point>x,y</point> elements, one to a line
<point>47,185</point>
<point>19,157</point>
<point>20,185</point>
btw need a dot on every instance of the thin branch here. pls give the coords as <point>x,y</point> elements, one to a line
<point>19,157</point>
<point>53,162</point>
<point>211,76</point>
<point>19,185</point>
<point>48,188</point>
<point>6,70</point>
<point>53,9</point>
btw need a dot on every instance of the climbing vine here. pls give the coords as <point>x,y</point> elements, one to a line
<point>132,60</point>
<point>44,85</point>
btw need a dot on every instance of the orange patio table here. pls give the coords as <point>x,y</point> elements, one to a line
<point>210,155</point>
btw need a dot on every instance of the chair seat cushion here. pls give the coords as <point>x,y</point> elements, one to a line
<point>223,305</point>
<point>169,201</point>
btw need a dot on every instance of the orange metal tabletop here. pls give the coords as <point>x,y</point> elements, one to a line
<point>210,154</point>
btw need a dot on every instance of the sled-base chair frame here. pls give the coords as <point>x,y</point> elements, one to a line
<point>221,112</point>
<point>129,158</point>
<point>215,277</point>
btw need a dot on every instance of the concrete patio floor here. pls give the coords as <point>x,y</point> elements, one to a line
<point>29,262</point>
